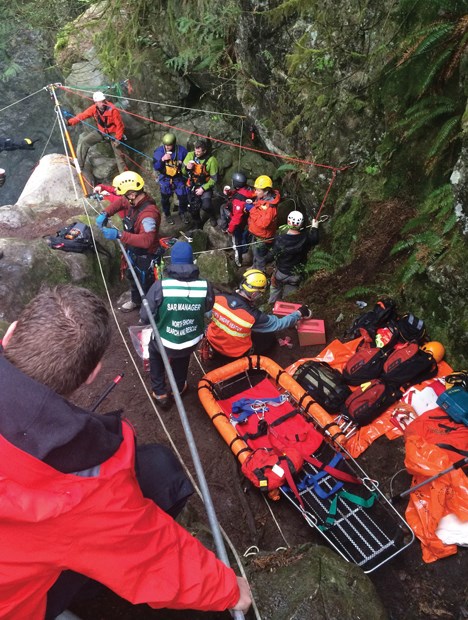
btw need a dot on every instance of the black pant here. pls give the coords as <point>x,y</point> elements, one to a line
<point>142,264</point>
<point>179,365</point>
<point>161,479</point>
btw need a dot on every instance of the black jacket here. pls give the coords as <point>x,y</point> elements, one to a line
<point>290,251</point>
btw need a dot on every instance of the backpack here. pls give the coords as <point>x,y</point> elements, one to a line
<point>409,365</point>
<point>364,365</point>
<point>73,238</point>
<point>369,400</point>
<point>324,383</point>
<point>383,311</point>
<point>411,329</point>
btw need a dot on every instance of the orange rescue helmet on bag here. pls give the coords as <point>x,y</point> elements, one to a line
<point>437,350</point>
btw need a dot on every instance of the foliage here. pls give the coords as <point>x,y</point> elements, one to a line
<point>362,291</point>
<point>429,233</point>
<point>205,37</point>
<point>420,83</point>
<point>319,260</point>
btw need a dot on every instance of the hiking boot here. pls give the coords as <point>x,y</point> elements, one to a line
<point>185,218</point>
<point>129,306</point>
<point>169,219</point>
<point>163,400</point>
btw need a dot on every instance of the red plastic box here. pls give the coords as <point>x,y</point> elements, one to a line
<point>282,308</point>
<point>311,331</point>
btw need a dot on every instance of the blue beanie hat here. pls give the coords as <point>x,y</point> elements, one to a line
<point>181,253</point>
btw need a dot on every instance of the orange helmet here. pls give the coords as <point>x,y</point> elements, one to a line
<point>437,350</point>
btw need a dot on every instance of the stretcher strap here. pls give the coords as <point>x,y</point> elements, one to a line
<point>354,499</point>
<point>313,480</point>
<point>262,428</point>
<point>336,473</point>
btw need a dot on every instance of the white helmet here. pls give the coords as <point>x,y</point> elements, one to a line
<point>98,96</point>
<point>295,219</point>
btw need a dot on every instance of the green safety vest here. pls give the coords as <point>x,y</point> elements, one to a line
<point>181,315</point>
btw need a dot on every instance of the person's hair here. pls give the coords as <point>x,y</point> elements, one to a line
<point>201,143</point>
<point>60,337</point>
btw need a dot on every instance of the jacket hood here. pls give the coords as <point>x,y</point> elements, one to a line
<point>48,427</point>
<point>183,272</point>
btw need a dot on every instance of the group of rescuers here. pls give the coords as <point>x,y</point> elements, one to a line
<point>181,300</point>
<point>83,505</point>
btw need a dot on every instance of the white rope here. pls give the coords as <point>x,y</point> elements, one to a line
<point>48,139</point>
<point>276,522</point>
<point>20,100</point>
<point>158,103</point>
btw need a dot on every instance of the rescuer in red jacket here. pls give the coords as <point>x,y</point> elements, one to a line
<point>141,219</point>
<point>110,127</point>
<point>73,506</point>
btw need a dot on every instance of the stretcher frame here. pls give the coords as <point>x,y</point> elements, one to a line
<point>366,536</point>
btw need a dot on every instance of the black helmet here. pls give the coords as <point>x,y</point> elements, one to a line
<point>239,179</point>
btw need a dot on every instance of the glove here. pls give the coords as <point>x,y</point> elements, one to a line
<point>226,188</point>
<point>248,205</point>
<point>315,223</point>
<point>101,219</point>
<point>97,189</point>
<point>110,233</point>
<point>305,312</point>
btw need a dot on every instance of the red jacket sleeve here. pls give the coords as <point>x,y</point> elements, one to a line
<point>120,203</point>
<point>130,545</point>
<point>88,113</point>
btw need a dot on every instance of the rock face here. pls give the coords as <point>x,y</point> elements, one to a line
<point>46,205</point>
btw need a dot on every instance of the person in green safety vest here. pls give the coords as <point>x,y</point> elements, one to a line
<point>178,302</point>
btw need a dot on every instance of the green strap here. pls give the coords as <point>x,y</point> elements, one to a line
<point>355,499</point>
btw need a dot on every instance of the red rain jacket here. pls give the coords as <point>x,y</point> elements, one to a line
<point>108,121</point>
<point>104,528</point>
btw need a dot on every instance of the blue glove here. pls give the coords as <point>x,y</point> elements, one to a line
<point>110,233</point>
<point>248,205</point>
<point>101,219</point>
<point>67,113</point>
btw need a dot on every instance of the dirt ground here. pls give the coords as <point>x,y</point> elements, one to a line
<point>408,587</point>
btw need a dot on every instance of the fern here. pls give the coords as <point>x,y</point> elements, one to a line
<point>446,134</point>
<point>361,291</point>
<point>450,224</point>
<point>405,244</point>
<point>412,268</point>
<point>319,260</point>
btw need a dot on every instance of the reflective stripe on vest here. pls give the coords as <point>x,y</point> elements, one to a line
<point>230,331</point>
<point>180,317</point>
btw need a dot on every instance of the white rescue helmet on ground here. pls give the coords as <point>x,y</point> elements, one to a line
<point>295,219</point>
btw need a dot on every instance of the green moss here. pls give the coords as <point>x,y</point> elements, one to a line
<point>346,227</point>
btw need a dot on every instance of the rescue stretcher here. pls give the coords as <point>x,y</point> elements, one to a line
<point>254,404</point>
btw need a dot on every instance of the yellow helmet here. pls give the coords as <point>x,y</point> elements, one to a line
<point>437,350</point>
<point>253,281</point>
<point>263,182</point>
<point>128,182</point>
